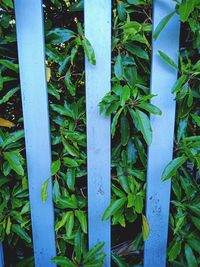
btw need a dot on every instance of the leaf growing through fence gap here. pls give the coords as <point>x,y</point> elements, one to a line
<point>113,207</point>
<point>89,51</point>
<point>145,227</point>
<point>162,24</point>
<point>172,167</point>
<point>167,59</point>
<point>44,194</point>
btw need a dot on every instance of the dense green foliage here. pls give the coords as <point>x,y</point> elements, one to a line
<point>128,104</point>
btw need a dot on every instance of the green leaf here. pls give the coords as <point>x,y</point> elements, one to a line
<point>77,6</point>
<point>118,67</point>
<point>118,260</point>
<point>93,251</point>
<point>178,84</point>
<point>137,51</point>
<point>196,118</point>
<point>62,222</point>
<point>81,216</point>
<point>162,24</point>
<point>113,207</point>
<point>13,138</point>
<point>55,167</point>
<point>185,9</point>
<point>56,191</point>
<point>145,228</point>
<point>89,51</point>
<point>69,162</point>
<point>65,111</point>
<point>58,36</point>
<point>121,9</point>
<point>63,261</point>
<point>7,96</point>
<point>67,202</point>
<point>150,108</point>
<point>196,222</point>
<point>125,130</point>
<point>21,233</point>
<point>174,250</point>
<point>145,126</point>
<point>172,167</point>
<point>14,158</point>
<point>124,95</point>
<point>69,223</point>
<point>10,65</point>
<point>114,121</point>
<point>167,59</point>
<point>78,245</point>
<point>70,86</point>
<point>70,176</point>
<point>190,257</point>
<point>44,194</point>
<point>8,3</point>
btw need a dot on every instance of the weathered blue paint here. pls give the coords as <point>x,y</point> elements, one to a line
<point>98,31</point>
<point>161,149</point>
<point>31,53</point>
<point>1,256</point>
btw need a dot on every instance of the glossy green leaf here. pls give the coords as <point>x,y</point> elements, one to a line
<point>44,194</point>
<point>162,24</point>
<point>89,51</point>
<point>145,228</point>
<point>63,261</point>
<point>150,108</point>
<point>185,9</point>
<point>125,130</point>
<point>55,167</point>
<point>93,251</point>
<point>145,126</point>
<point>115,121</point>
<point>15,160</point>
<point>168,60</point>
<point>69,223</point>
<point>190,257</point>
<point>59,35</point>
<point>113,208</point>
<point>81,216</point>
<point>172,167</point>
<point>21,232</point>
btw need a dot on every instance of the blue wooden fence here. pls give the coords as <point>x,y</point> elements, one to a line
<point>31,52</point>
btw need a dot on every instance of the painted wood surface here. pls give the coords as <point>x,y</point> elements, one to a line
<point>98,31</point>
<point>31,54</point>
<point>160,152</point>
<point>1,256</point>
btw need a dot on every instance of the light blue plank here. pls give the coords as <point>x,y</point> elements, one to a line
<point>1,256</point>
<point>98,31</point>
<point>31,53</point>
<point>161,149</point>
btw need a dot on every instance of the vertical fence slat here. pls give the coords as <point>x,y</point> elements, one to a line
<point>161,149</point>
<point>31,54</point>
<point>98,31</point>
<point>1,256</point>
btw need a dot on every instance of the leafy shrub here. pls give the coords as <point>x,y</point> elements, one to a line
<point>128,104</point>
